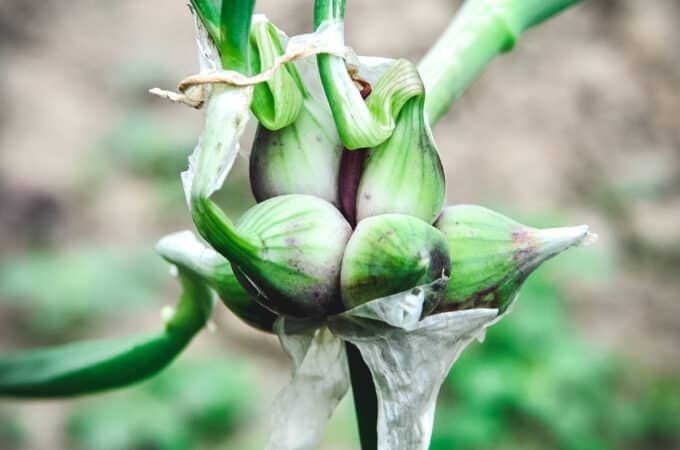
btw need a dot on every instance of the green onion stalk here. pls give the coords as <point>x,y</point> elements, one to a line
<point>350,195</point>
<point>477,34</point>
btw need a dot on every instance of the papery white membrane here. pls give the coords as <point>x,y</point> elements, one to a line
<point>320,380</point>
<point>184,248</point>
<point>208,55</point>
<point>226,118</point>
<point>372,68</point>
<point>227,115</point>
<point>408,358</point>
<point>409,366</point>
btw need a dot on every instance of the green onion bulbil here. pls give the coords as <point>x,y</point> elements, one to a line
<point>302,155</point>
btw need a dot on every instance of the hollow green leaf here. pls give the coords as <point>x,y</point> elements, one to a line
<point>228,23</point>
<point>91,366</point>
<point>361,124</point>
<point>478,32</point>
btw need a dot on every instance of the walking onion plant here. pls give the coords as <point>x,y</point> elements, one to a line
<point>350,192</point>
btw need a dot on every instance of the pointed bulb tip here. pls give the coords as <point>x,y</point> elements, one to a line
<point>556,240</point>
<point>589,239</point>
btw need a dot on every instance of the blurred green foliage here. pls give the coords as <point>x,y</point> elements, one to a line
<point>144,146</point>
<point>187,406</point>
<point>534,384</point>
<point>54,292</point>
<point>13,434</point>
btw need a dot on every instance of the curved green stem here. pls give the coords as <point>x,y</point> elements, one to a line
<point>185,251</point>
<point>219,231</point>
<point>278,101</point>
<point>481,30</point>
<point>91,366</point>
<point>361,124</point>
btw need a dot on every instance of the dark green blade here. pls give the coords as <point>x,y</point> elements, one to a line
<point>209,11</point>
<point>90,366</point>
<point>86,367</point>
<point>228,24</point>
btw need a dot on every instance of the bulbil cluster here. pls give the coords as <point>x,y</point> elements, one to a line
<point>327,236</point>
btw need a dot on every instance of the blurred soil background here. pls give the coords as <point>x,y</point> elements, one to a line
<point>578,124</point>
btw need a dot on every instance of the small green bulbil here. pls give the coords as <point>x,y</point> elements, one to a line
<point>391,253</point>
<point>404,174</point>
<point>302,158</point>
<point>296,148</point>
<point>492,255</point>
<point>298,242</point>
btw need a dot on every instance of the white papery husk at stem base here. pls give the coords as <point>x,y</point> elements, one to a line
<point>409,357</point>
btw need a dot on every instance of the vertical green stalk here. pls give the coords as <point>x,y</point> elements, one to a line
<point>236,17</point>
<point>365,398</point>
<point>228,23</point>
<point>346,103</point>
<point>480,30</point>
<point>361,124</point>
